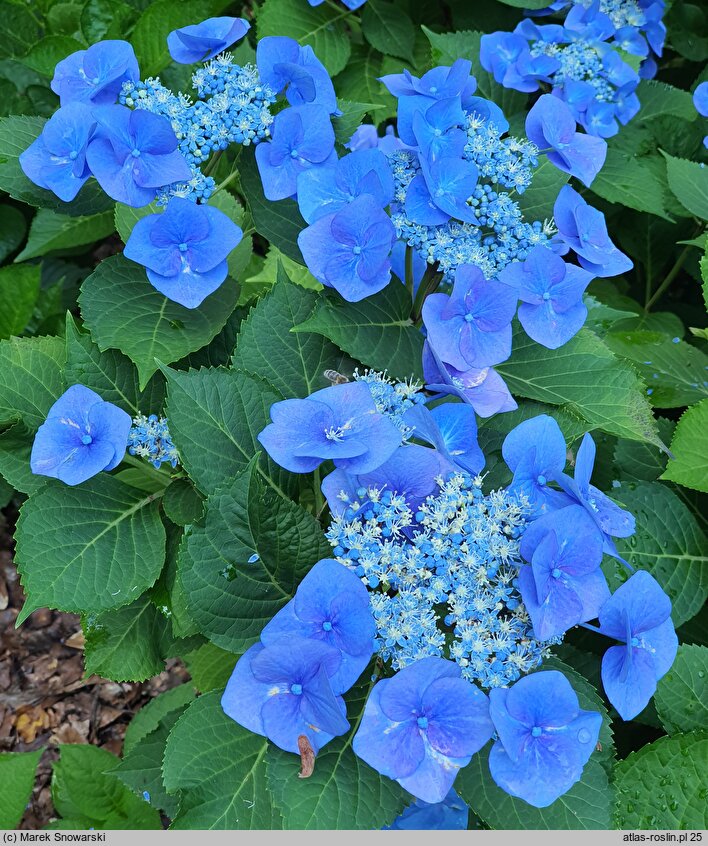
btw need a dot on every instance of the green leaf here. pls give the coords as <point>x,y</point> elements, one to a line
<point>109,373</point>
<point>538,199</point>
<point>220,767</point>
<point>123,311</point>
<point>148,718</point>
<point>230,598</point>
<point>117,542</point>
<point>689,446</point>
<point>210,667</point>
<point>16,134</point>
<point>388,28</point>
<point>215,416</point>
<point>84,791</point>
<point>45,53</point>
<point>106,19</point>
<point>141,768</point>
<point>689,184</point>
<point>343,793</point>
<point>639,462</point>
<point>149,37</point>
<point>12,230</point>
<point>30,378</point>
<point>51,231</point>
<point>572,426</point>
<point>352,115</point>
<point>662,786</point>
<point>586,378</point>
<point>627,180</point>
<point>267,275</point>
<point>19,290</point>
<point>292,363</point>
<point>377,331</point>
<point>681,696</point>
<point>15,449</point>
<point>182,503</point>
<point>525,4</point>
<point>358,82</point>
<point>668,543</point>
<point>124,644</point>
<point>673,370</point>
<point>659,99</point>
<point>321,27</point>
<point>20,29</point>
<point>17,771</point>
<point>280,223</point>
<point>587,805</point>
<point>125,217</point>
<point>450,46</point>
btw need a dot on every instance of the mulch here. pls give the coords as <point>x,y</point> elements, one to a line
<point>45,699</point>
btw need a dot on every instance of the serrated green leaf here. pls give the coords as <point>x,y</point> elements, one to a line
<point>293,363</point>
<point>352,114</point>
<point>12,230</point>
<point>689,467</point>
<point>215,416</point>
<point>388,28</point>
<point>114,551</point>
<point>662,786</point>
<point>19,290</point>
<point>639,462</point>
<point>21,29</point>
<point>149,37</point>
<point>124,644</point>
<point>106,19</point>
<point>587,379</point>
<point>449,46</point>
<point>30,378</point>
<point>15,449</point>
<point>220,768</point>
<point>629,181</point>
<point>659,99</point>
<point>321,27</point>
<point>110,373</point>
<point>230,598</point>
<point>125,217</point>
<point>689,184</point>
<point>210,666</point>
<point>572,426</point>
<point>83,789</point>
<point>587,805</point>
<point>343,793</point>
<point>45,53</point>
<point>377,331</point>
<point>17,771</point>
<point>681,696</point>
<point>673,370</point>
<point>538,199</point>
<point>141,769</point>
<point>182,503</point>
<point>266,277</point>
<point>358,82</point>
<point>16,134</point>
<point>148,718</point>
<point>123,311</point>
<point>280,223</point>
<point>668,543</point>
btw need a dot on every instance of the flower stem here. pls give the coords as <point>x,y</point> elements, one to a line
<point>409,272</point>
<point>669,278</point>
<point>430,281</point>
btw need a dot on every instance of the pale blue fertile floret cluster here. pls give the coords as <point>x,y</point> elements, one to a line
<point>149,438</point>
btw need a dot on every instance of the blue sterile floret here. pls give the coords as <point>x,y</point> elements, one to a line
<point>149,438</point>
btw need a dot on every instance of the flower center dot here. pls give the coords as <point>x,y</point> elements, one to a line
<point>536,731</point>
<point>294,154</point>
<point>546,295</point>
<point>135,153</point>
<point>73,155</point>
<point>86,440</point>
<point>634,641</point>
<point>423,722</point>
<point>96,80</point>
<point>541,480</point>
<point>469,317</point>
<point>584,735</point>
<point>356,250</point>
<point>296,689</point>
<point>327,626</point>
<point>555,572</point>
<point>183,247</point>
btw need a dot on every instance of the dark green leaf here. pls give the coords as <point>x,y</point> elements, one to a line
<point>210,667</point>
<point>12,230</point>
<point>689,466</point>
<point>388,28</point>
<point>689,183</point>
<point>682,694</point>
<point>19,289</point>
<point>17,770</point>
<point>30,378</point>
<point>45,53</point>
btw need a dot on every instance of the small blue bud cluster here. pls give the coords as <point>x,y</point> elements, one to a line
<point>459,551</point>
<point>500,235</point>
<point>393,399</point>
<point>579,61</point>
<point>233,108</point>
<point>149,438</point>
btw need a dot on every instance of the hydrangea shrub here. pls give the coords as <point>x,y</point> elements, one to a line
<point>358,415</point>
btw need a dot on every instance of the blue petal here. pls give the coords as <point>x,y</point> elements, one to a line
<point>244,697</point>
<point>544,435</point>
<point>629,679</point>
<point>640,603</point>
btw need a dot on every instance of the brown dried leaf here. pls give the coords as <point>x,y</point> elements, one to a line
<point>307,757</point>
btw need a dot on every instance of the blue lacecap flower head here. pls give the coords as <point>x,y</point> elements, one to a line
<point>421,726</point>
<point>545,738</point>
<point>639,615</point>
<point>331,605</point>
<point>340,423</point>
<point>201,42</point>
<point>81,436</point>
<point>283,691</point>
<point>132,153</point>
<point>96,75</point>
<point>184,249</point>
<point>56,160</point>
